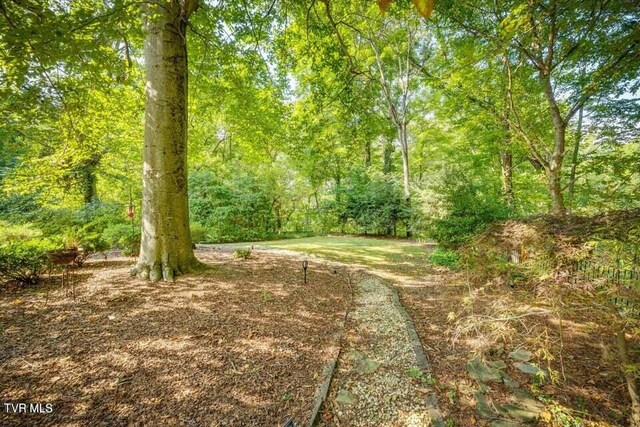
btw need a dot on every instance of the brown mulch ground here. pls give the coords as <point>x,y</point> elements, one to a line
<point>243,343</point>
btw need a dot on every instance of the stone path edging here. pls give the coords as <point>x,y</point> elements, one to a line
<point>322,392</point>
<point>421,358</point>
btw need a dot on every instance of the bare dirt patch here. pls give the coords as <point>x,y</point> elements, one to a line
<point>243,343</point>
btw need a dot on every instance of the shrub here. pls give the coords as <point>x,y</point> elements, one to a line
<point>198,232</point>
<point>24,262</point>
<point>12,232</point>
<point>444,257</point>
<point>373,201</point>
<point>242,253</point>
<point>469,209</point>
<point>123,237</point>
<point>238,208</point>
<point>90,243</point>
<point>93,217</point>
<point>83,239</point>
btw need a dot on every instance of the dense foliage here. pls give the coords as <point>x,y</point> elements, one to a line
<point>23,262</point>
<point>324,117</point>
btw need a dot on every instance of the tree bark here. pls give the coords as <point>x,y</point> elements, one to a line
<point>387,165</point>
<point>404,148</point>
<point>506,163</point>
<point>554,166</point>
<point>574,160</point>
<point>166,248</point>
<point>89,185</point>
<point>506,166</point>
<point>367,153</point>
<point>506,154</point>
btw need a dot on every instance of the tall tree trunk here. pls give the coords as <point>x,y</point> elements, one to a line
<point>367,153</point>
<point>506,163</point>
<point>87,169</point>
<point>554,187</point>
<point>506,154</point>
<point>387,165</point>
<point>574,160</point>
<point>506,166</point>
<point>89,186</point>
<point>404,148</point>
<point>166,248</point>
<point>554,167</point>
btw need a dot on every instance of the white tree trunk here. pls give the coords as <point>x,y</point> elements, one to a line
<point>166,248</point>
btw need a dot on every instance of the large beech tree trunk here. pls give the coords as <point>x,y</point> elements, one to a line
<point>166,248</point>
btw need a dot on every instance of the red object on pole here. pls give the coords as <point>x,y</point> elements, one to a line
<point>130,211</point>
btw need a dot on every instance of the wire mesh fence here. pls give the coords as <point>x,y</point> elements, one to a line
<point>613,279</point>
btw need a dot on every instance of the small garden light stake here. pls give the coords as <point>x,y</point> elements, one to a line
<point>305,264</point>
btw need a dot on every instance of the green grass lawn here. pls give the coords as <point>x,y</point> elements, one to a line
<point>393,256</point>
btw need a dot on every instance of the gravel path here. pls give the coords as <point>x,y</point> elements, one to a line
<point>379,380</point>
<point>382,377</point>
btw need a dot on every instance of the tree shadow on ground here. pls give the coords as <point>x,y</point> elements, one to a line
<point>241,344</point>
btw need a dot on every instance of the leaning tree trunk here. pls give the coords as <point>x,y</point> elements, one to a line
<point>166,248</point>
<point>506,176</point>
<point>506,165</point>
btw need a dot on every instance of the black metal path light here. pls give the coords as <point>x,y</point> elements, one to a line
<point>305,264</point>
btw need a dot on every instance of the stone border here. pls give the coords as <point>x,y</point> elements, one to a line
<point>323,390</point>
<point>431,400</point>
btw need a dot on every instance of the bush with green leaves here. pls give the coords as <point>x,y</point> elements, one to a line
<point>444,258</point>
<point>17,232</point>
<point>89,242</point>
<point>92,217</point>
<point>24,262</point>
<point>468,207</point>
<point>198,232</point>
<point>233,209</point>
<point>242,253</point>
<point>123,237</point>
<point>373,202</point>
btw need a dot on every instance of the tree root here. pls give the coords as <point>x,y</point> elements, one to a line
<point>162,271</point>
